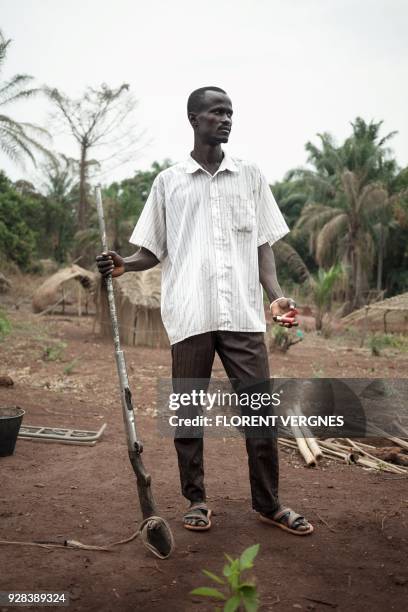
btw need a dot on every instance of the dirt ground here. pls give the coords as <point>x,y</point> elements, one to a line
<point>65,376</point>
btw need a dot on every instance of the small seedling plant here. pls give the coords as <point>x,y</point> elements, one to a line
<point>5,326</point>
<point>237,593</point>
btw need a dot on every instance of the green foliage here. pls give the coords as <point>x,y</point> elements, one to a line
<point>17,238</point>
<point>324,285</point>
<point>281,339</point>
<point>378,342</point>
<point>53,351</point>
<point>237,594</point>
<point>124,203</point>
<point>32,226</point>
<point>349,206</point>
<point>36,225</point>
<point>69,368</point>
<point>61,195</point>
<point>292,252</point>
<point>5,326</point>
<point>352,193</point>
<point>318,372</point>
<point>322,291</point>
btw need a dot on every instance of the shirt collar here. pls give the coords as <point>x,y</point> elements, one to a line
<point>227,163</point>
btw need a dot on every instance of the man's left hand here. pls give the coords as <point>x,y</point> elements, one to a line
<point>284,312</point>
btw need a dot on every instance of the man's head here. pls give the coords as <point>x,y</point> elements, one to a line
<point>209,111</point>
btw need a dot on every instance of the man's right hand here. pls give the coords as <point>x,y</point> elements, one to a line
<point>110,263</point>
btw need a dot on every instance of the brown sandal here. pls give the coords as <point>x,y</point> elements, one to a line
<point>288,520</point>
<point>198,512</point>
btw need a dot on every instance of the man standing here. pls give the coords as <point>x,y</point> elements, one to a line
<point>211,220</point>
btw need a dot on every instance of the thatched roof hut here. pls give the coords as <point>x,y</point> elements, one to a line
<point>137,297</point>
<point>390,315</point>
<point>60,289</point>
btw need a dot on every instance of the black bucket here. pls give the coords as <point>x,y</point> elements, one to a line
<point>10,422</point>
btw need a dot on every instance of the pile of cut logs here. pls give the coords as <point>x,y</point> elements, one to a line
<point>387,459</point>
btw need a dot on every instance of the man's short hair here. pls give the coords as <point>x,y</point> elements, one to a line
<point>195,99</point>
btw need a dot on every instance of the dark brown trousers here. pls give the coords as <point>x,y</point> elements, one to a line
<point>244,357</point>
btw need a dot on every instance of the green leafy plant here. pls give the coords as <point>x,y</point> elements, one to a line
<point>238,593</point>
<point>318,371</point>
<point>53,352</point>
<point>379,342</point>
<point>71,365</point>
<point>322,290</point>
<point>5,326</point>
<point>281,339</point>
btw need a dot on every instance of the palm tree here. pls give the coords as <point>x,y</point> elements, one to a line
<point>348,201</point>
<point>59,186</point>
<point>291,197</point>
<point>18,140</point>
<point>322,291</point>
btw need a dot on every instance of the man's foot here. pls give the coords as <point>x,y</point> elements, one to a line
<point>288,520</point>
<point>197,517</point>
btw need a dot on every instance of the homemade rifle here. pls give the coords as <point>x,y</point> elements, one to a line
<point>155,531</point>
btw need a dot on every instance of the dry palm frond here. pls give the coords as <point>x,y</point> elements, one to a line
<point>18,140</point>
<point>329,238</point>
<point>350,184</point>
<point>373,198</point>
<point>3,46</point>
<point>11,91</point>
<point>313,218</point>
<point>286,254</point>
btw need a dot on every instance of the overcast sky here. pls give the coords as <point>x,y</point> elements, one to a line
<point>292,68</point>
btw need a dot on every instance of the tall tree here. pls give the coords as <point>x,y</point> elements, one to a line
<point>291,195</point>
<point>60,187</point>
<point>101,119</point>
<point>348,202</point>
<point>123,202</point>
<point>18,140</point>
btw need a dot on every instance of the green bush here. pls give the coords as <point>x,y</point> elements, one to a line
<point>379,342</point>
<point>5,326</point>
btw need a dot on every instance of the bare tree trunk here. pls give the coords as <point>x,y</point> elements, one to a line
<point>116,224</point>
<point>356,268</point>
<point>359,280</point>
<point>319,319</point>
<point>380,258</point>
<point>83,204</point>
<point>353,280</point>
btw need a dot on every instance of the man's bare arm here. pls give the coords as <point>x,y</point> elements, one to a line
<point>143,259</point>
<point>112,263</point>
<point>282,308</point>
<point>267,272</point>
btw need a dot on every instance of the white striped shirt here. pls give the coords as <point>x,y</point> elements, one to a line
<point>206,230</point>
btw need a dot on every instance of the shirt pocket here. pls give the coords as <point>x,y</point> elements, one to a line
<point>242,210</point>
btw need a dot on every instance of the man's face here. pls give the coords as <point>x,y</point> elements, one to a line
<point>213,123</point>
